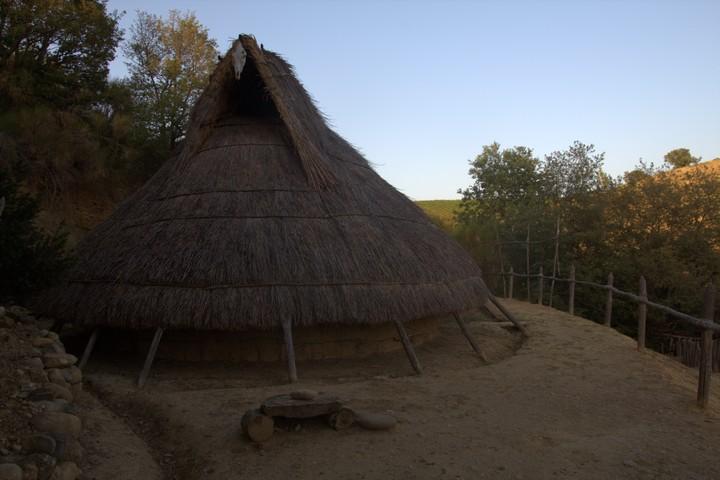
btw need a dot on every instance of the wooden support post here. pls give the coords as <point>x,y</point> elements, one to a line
<point>409,350</point>
<point>556,260</point>
<point>512,280</point>
<point>642,315</point>
<point>527,264</point>
<point>150,357</point>
<point>706,349</point>
<point>507,314</point>
<point>541,286</point>
<point>290,350</point>
<point>470,338</point>
<point>609,301</point>
<point>500,255</point>
<point>571,295</point>
<point>89,348</point>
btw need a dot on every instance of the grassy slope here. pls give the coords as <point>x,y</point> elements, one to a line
<point>440,211</point>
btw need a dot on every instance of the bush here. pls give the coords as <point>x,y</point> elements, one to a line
<point>29,259</point>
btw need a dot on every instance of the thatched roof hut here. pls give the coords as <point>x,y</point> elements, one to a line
<point>265,217</point>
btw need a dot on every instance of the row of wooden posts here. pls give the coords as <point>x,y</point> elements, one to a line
<point>706,322</point>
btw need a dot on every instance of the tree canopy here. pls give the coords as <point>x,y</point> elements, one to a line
<point>55,52</point>
<point>680,157</point>
<point>657,222</point>
<point>170,61</point>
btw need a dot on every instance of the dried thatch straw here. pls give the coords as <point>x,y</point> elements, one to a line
<point>265,216</point>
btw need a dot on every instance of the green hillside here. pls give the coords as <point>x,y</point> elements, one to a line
<point>440,211</point>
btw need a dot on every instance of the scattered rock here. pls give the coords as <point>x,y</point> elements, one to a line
<point>58,423</point>
<point>59,360</point>
<point>6,322</point>
<point>375,421</point>
<point>66,471</point>
<point>40,443</point>
<point>341,419</point>
<point>257,426</point>
<point>10,471</point>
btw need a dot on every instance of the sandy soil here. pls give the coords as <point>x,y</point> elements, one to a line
<point>575,401</point>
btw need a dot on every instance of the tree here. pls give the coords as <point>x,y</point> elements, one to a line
<point>680,157</point>
<point>506,183</point>
<point>575,171</point>
<point>170,61</point>
<point>55,52</point>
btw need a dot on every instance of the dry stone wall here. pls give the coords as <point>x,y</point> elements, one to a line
<point>40,423</point>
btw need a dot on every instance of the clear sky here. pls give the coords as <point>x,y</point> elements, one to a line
<point>421,86</point>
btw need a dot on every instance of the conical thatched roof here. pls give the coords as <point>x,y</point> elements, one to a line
<point>266,215</point>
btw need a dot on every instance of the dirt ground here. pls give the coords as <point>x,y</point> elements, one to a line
<point>575,400</point>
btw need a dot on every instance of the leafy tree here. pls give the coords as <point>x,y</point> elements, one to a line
<point>575,171</point>
<point>506,184</point>
<point>170,61</point>
<point>30,260</point>
<point>680,157</point>
<point>55,52</point>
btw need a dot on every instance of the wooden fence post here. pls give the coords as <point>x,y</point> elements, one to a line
<point>555,261</point>
<point>571,295</point>
<point>512,279</point>
<point>608,303</point>
<point>706,349</point>
<point>642,314</point>
<point>540,286</point>
<point>527,264</point>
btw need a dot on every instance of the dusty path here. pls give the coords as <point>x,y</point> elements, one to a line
<point>576,401</point>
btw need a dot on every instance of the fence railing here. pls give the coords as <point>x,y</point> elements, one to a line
<point>706,322</point>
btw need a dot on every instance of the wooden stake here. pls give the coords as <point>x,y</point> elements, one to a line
<point>556,260</point>
<point>507,314</point>
<point>150,357</point>
<point>706,349</point>
<point>571,295</point>
<point>290,349</point>
<point>470,338</point>
<point>408,347</point>
<point>527,263</point>
<point>500,255</point>
<point>642,315</point>
<point>541,286</point>
<point>609,301</point>
<point>512,280</point>
<point>89,348</point>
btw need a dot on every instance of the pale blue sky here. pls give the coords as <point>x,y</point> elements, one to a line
<point>421,86</point>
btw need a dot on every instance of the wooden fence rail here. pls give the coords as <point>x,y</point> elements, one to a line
<point>706,322</point>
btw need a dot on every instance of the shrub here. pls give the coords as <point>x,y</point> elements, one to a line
<point>29,259</point>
